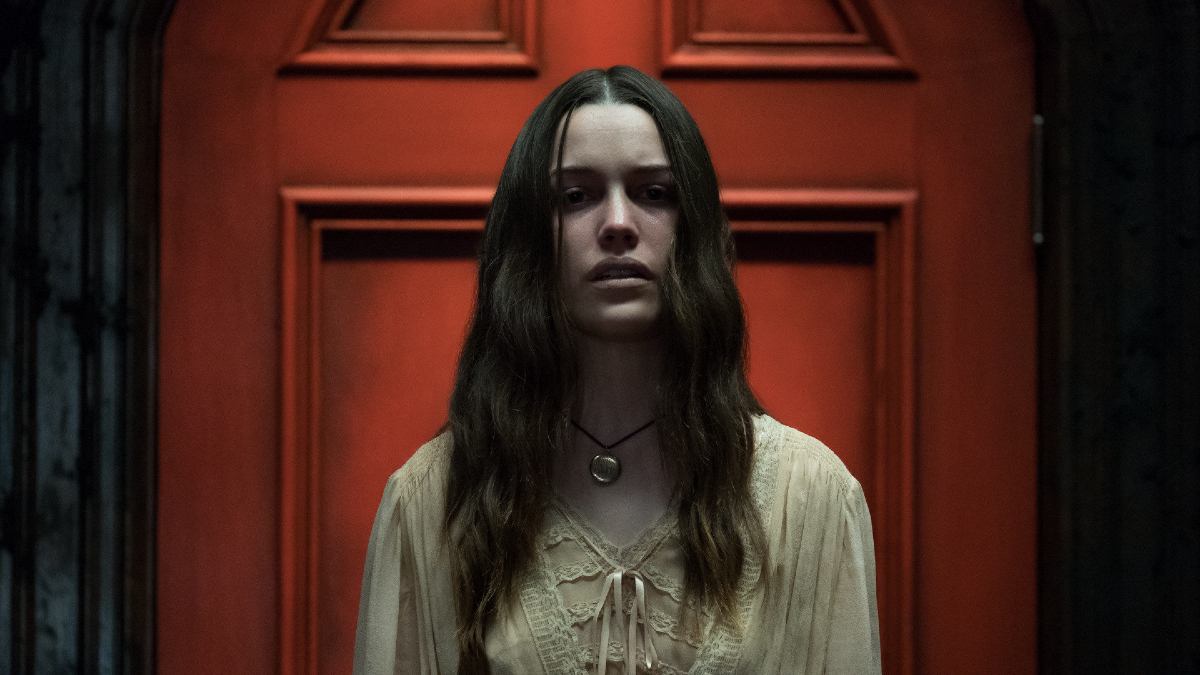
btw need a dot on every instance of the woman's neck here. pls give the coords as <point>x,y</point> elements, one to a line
<point>617,385</point>
<point>617,389</point>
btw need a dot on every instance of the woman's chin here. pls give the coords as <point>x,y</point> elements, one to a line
<point>626,328</point>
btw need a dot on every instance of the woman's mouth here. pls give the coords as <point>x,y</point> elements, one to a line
<point>620,269</point>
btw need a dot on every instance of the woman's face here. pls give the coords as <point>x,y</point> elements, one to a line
<point>619,216</point>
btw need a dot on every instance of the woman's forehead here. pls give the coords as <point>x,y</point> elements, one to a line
<point>610,132</point>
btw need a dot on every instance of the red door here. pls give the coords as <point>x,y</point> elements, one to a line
<point>326,165</point>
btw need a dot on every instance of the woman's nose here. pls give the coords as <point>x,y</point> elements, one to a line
<point>618,232</point>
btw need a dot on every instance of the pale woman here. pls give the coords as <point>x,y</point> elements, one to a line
<point>609,496</point>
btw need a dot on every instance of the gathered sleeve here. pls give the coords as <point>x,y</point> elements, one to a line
<point>405,614</point>
<point>818,613</point>
<point>384,639</point>
<point>853,643</point>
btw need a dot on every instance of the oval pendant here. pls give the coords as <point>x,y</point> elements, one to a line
<point>605,468</point>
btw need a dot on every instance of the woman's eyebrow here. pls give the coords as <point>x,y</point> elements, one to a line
<point>652,168</point>
<point>646,168</point>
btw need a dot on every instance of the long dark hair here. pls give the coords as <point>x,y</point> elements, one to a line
<point>515,387</point>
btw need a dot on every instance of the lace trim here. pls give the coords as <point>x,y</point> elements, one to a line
<point>663,582</point>
<point>766,433</point>
<point>581,612</point>
<point>628,557</point>
<point>557,642</point>
<point>553,638</point>
<point>557,534</point>
<point>722,648</point>
<point>616,654</point>
<point>667,669</point>
<point>662,622</point>
<point>577,570</point>
<point>668,624</point>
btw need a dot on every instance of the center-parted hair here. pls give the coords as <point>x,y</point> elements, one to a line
<point>515,390</point>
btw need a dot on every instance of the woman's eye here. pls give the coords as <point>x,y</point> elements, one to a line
<point>575,196</point>
<point>656,193</point>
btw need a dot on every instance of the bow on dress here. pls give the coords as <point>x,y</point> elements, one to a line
<point>611,598</point>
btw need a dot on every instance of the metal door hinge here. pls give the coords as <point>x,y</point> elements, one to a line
<point>1037,176</point>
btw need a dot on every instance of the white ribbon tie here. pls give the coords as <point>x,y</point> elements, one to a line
<point>611,597</point>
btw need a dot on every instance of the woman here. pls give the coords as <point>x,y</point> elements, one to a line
<point>610,495</point>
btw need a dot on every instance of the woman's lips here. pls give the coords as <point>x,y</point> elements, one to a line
<point>620,282</point>
<point>625,270</point>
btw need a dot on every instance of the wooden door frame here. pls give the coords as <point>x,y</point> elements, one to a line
<point>888,217</point>
<point>1084,346</point>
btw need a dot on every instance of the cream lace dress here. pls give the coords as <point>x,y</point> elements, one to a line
<point>815,614</point>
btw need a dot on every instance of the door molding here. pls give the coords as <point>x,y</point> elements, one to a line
<point>889,216</point>
<point>871,45</point>
<point>329,45</point>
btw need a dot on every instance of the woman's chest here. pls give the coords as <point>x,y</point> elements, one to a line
<point>586,598</point>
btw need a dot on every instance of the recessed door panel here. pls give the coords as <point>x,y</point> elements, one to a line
<point>392,310</point>
<point>381,306</point>
<point>811,314</point>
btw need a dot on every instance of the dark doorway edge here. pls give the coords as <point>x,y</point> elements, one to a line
<point>78,321</point>
<point>1119,287</point>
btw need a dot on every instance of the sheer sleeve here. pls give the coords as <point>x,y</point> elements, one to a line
<point>853,647</point>
<point>817,615</point>
<point>406,622</point>
<point>384,640</point>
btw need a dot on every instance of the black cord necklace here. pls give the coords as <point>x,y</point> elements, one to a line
<point>605,467</point>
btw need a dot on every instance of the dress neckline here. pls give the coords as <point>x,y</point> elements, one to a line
<point>632,554</point>
<point>558,645</point>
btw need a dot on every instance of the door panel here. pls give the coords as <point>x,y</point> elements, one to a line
<point>388,346</point>
<point>374,313</point>
<point>388,349</point>
<point>810,312</point>
<point>326,167</point>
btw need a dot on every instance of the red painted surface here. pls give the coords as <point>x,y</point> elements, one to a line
<point>837,37</point>
<point>325,167</point>
<point>366,366</point>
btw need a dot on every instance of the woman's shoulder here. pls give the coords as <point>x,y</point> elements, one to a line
<point>423,477</point>
<point>799,456</point>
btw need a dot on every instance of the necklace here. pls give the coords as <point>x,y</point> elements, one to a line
<point>606,468</point>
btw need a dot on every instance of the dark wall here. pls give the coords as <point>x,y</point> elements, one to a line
<point>1119,485</point>
<point>77,278</point>
<point>1119,84</point>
